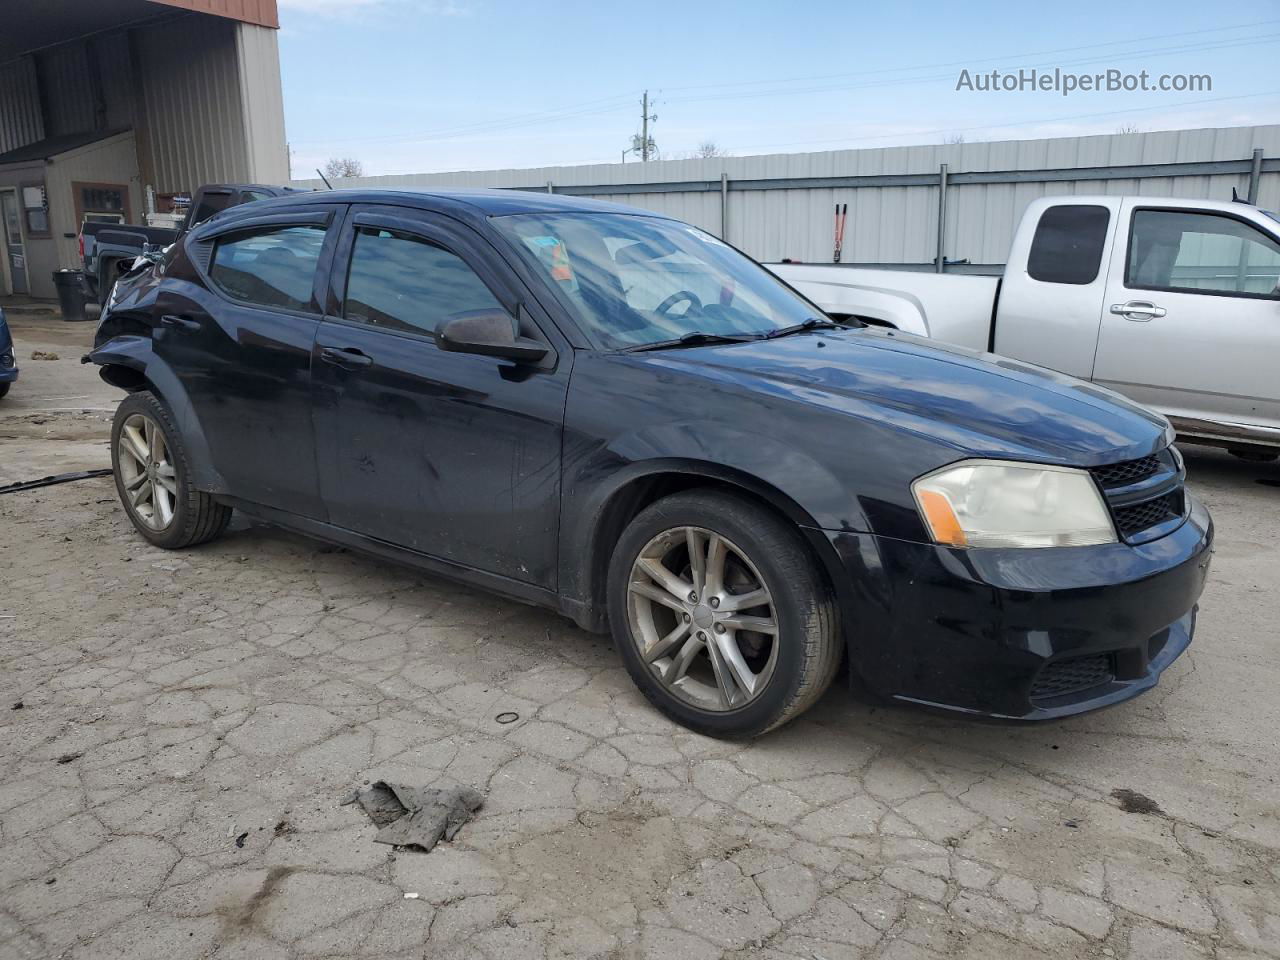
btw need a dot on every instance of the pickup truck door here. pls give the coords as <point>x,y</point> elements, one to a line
<point>452,455</point>
<point>239,341</point>
<point>1047,311</point>
<point>1191,319</point>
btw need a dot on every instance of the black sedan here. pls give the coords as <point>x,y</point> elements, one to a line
<point>617,415</point>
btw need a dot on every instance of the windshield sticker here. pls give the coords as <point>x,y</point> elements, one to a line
<point>706,237</point>
<point>553,254</point>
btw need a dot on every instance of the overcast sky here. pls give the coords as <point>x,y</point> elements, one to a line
<point>414,86</point>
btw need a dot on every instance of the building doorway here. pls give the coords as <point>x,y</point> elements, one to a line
<point>15,251</point>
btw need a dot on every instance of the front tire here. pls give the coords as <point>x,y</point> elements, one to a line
<point>721,614</point>
<point>153,477</point>
<point>4,389</point>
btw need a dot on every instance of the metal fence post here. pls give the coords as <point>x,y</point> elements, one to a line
<point>1255,175</point>
<point>940,261</point>
<point>550,187</point>
<point>724,207</point>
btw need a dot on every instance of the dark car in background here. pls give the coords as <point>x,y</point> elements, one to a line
<point>618,416</point>
<point>108,249</point>
<point>8,357</point>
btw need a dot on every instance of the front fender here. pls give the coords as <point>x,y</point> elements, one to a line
<point>600,482</point>
<point>136,353</point>
<point>804,489</point>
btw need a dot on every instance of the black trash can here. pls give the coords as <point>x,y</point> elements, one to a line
<point>70,284</point>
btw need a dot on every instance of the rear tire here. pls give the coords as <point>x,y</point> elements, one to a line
<point>685,631</point>
<point>153,477</point>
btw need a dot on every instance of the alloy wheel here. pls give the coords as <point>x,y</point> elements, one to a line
<point>147,474</point>
<point>702,618</point>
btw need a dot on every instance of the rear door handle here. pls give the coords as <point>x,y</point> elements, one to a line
<point>348,358</point>
<point>180,323</point>
<point>1140,311</point>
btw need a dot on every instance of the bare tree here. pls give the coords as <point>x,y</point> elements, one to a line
<point>708,150</point>
<point>954,138</point>
<point>1127,128</point>
<point>339,167</point>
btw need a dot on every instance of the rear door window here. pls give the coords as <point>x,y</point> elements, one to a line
<point>404,283</point>
<point>1068,244</point>
<point>269,267</point>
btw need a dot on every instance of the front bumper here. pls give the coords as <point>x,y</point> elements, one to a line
<point>1020,634</point>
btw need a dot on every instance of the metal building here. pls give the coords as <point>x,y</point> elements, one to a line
<point>109,107</point>
<point>908,206</point>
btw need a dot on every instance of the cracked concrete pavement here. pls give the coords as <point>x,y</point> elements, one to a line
<point>189,722</point>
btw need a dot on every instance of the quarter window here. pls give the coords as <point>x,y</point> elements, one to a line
<point>1201,253</point>
<point>274,267</point>
<point>404,283</point>
<point>1067,247</point>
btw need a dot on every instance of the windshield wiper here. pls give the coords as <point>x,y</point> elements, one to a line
<point>813,323</point>
<point>696,339</point>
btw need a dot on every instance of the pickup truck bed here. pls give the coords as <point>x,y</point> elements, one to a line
<point>957,309</point>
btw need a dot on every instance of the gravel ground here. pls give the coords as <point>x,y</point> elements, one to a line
<point>179,728</point>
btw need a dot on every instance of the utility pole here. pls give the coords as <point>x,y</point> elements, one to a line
<point>641,142</point>
<point>644,127</point>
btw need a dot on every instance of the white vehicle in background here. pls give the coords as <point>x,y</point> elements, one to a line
<point>1174,303</point>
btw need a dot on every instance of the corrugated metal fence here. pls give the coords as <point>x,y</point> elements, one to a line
<point>781,205</point>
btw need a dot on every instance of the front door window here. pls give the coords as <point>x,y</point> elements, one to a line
<point>1208,253</point>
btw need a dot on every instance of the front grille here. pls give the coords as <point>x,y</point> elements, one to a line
<point>1071,676</point>
<point>1142,493</point>
<point>1139,516</point>
<point>1130,471</point>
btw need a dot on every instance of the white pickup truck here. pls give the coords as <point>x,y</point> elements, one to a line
<point>1175,303</point>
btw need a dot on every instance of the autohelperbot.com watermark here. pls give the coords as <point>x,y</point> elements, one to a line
<point>1032,80</point>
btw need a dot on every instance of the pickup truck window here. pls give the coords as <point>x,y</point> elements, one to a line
<point>400,282</point>
<point>274,267</point>
<point>1067,247</point>
<point>1204,253</point>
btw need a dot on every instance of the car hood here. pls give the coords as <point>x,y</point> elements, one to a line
<point>980,404</point>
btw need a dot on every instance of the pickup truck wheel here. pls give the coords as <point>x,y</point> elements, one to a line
<point>4,388</point>
<point>153,478</point>
<point>721,614</point>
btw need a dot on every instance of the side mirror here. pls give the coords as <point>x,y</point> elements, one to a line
<point>490,333</point>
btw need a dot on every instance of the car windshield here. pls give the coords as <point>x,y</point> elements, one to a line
<point>633,280</point>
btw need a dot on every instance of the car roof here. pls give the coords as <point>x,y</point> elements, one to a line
<point>478,203</point>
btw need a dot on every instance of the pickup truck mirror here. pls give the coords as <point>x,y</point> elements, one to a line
<point>490,333</point>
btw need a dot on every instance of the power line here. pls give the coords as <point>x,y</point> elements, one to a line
<point>971,62</point>
<point>614,103</point>
<point>930,78</point>
<point>1010,126</point>
<point>618,102</point>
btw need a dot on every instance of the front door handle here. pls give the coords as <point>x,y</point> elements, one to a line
<point>348,358</point>
<point>1140,311</point>
<point>180,323</point>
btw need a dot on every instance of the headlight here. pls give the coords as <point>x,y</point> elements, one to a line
<point>991,503</point>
